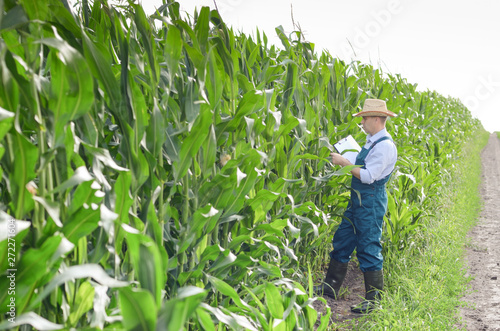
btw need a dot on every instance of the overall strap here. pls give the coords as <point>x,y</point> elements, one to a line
<point>360,159</point>
<point>382,181</point>
<point>381,139</point>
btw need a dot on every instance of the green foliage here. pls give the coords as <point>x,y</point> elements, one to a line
<point>179,174</point>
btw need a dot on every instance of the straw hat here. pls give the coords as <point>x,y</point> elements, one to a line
<point>375,107</point>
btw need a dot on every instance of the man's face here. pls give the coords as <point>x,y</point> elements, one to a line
<point>368,123</point>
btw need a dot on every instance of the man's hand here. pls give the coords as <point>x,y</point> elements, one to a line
<point>339,160</point>
<point>342,161</point>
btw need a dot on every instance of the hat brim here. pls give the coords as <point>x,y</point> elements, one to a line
<point>378,113</point>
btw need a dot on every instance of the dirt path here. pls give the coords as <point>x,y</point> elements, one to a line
<point>483,254</point>
<point>352,293</point>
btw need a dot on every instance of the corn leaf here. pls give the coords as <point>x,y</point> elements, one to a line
<point>138,309</point>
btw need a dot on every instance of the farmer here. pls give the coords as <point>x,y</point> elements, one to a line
<point>361,226</point>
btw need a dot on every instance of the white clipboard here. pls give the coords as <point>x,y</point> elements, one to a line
<point>349,148</point>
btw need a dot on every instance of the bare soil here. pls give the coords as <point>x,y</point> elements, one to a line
<point>351,293</point>
<point>483,252</point>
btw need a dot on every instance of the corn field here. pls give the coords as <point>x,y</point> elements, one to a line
<point>166,173</point>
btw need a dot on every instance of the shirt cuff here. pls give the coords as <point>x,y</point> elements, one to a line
<point>365,177</point>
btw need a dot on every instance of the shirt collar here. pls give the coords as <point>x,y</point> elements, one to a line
<point>376,136</point>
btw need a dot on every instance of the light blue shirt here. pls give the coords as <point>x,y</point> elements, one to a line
<point>381,160</point>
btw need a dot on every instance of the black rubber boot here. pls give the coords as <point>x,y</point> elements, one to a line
<point>374,283</point>
<point>333,279</point>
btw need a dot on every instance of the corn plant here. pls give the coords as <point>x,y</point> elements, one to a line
<point>166,173</point>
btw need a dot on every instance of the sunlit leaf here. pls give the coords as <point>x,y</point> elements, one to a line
<point>93,271</point>
<point>83,302</point>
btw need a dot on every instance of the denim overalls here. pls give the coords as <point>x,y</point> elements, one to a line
<point>361,227</point>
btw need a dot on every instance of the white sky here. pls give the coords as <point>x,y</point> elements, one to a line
<point>452,47</point>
